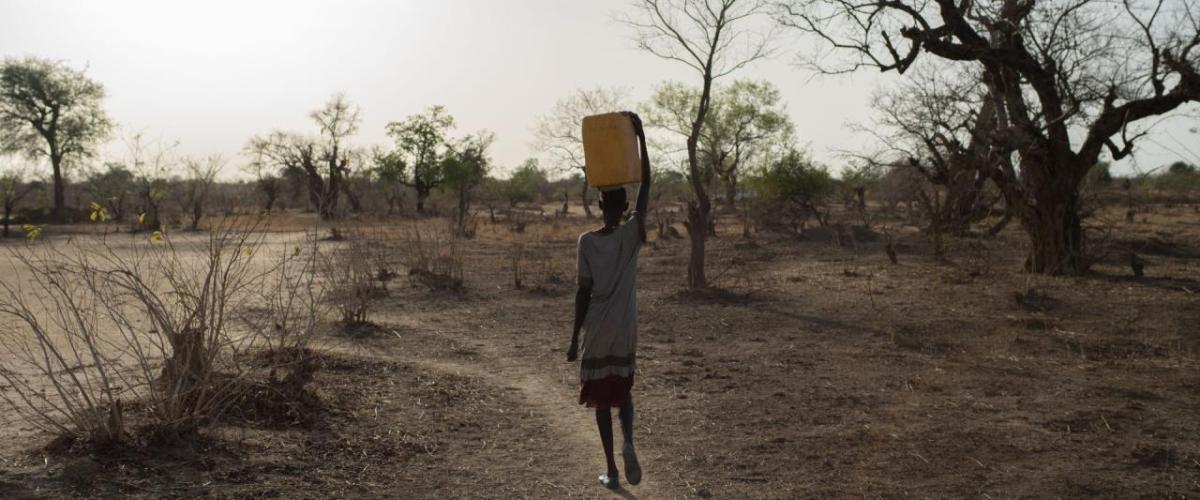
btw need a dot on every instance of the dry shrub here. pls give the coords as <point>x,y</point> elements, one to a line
<point>470,227</point>
<point>434,256</point>
<point>516,259</point>
<point>59,374</point>
<point>532,258</point>
<point>349,272</point>
<point>92,325</point>
<point>977,258</point>
<point>291,309</point>
<point>550,272</point>
<point>518,219</point>
<point>664,221</point>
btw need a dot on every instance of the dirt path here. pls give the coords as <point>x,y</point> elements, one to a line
<point>573,438</point>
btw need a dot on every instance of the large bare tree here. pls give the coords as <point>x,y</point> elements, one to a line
<point>325,160</point>
<point>52,111</point>
<point>938,124</point>
<point>559,133</point>
<point>1069,82</point>
<point>714,38</point>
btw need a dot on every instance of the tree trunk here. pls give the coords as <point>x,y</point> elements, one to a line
<point>697,226</point>
<point>462,209</point>
<point>1056,235</point>
<point>395,200</point>
<point>422,193</point>
<point>197,213</point>
<point>60,198</point>
<point>118,210</point>
<point>153,223</point>
<point>188,366</point>
<point>731,189</point>
<point>962,205</point>
<point>334,188</point>
<point>269,188</point>
<point>699,211</point>
<point>316,192</point>
<point>352,197</point>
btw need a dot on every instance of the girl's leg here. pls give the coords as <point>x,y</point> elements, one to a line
<point>626,415</point>
<point>633,471</point>
<point>604,423</point>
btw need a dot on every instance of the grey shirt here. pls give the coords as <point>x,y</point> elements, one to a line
<point>610,327</point>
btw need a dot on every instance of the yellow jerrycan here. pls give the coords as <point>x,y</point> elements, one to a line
<point>610,151</point>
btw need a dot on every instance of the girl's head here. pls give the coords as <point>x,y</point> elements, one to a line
<point>614,204</point>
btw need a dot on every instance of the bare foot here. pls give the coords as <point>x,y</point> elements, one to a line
<point>633,471</point>
<point>610,481</point>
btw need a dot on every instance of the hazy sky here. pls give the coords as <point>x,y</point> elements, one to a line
<point>212,73</point>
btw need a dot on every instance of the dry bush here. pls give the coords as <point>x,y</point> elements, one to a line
<point>664,221</point>
<point>290,311</point>
<point>520,218</point>
<point>532,258</point>
<point>549,271</point>
<point>92,325</point>
<point>292,305</point>
<point>470,226</point>
<point>350,275</point>
<point>434,256</point>
<point>56,363</point>
<point>516,259</point>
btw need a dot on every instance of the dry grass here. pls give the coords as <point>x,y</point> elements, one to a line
<point>433,254</point>
<point>817,369</point>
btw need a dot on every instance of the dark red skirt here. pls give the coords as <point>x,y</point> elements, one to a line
<point>609,392</point>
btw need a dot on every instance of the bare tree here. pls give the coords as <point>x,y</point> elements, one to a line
<point>266,179</point>
<point>196,186</point>
<point>53,111</point>
<point>939,125</point>
<point>714,38</point>
<point>560,133</point>
<point>151,163</point>
<point>325,160</point>
<point>1069,80</point>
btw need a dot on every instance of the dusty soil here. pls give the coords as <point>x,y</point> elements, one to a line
<point>813,370</point>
